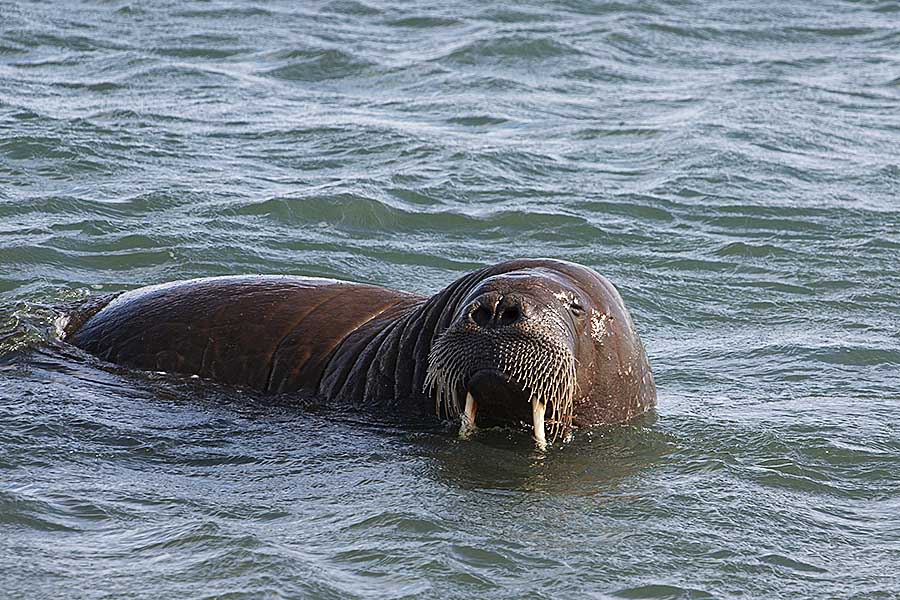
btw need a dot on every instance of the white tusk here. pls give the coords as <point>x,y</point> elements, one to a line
<point>538,409</point>
<point>467,418</point>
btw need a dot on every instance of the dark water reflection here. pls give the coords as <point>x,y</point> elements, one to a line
<point>592,463</point>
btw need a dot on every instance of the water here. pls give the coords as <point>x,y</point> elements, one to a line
<point>733,167</point>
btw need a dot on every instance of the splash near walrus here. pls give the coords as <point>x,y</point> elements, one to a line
<point>544,342</point>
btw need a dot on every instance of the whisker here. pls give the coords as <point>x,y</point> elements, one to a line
<point>539,363</point>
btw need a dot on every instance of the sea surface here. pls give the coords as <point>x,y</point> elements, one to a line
<point>733,167</point>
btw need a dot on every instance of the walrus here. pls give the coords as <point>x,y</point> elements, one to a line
<point>540,341</point>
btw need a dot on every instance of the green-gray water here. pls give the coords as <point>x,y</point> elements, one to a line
<point>733,167</point>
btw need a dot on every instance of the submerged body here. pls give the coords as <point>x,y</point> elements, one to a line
<point>542,341</point>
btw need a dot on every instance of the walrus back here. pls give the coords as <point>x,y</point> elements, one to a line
<point>271,333</point>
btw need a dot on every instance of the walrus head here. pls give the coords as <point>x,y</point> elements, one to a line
<point>537,344</point>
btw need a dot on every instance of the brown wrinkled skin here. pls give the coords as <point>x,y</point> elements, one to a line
<point>362,345</point>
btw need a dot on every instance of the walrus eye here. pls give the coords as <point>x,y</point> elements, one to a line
<point>577,309</point>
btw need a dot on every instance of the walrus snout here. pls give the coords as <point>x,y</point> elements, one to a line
<point>508,356</point>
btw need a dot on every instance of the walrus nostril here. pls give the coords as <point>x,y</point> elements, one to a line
<point>509,315</point>
<point>481,316</point>
<point>491,311</point>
